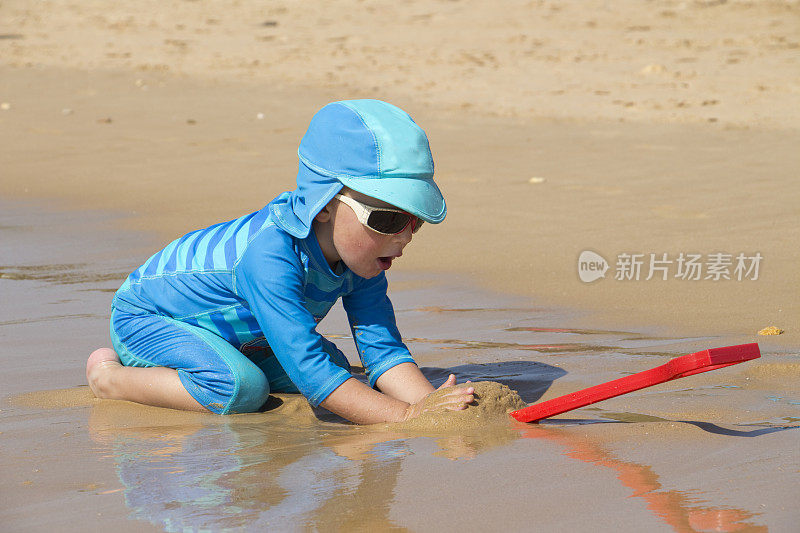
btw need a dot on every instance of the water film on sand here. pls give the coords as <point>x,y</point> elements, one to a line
<point>708,452</point>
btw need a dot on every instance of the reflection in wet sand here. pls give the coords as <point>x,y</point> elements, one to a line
<point>678,509</point>
<point>283,469</point>
<point>229,473</point>
<point>267,470</point>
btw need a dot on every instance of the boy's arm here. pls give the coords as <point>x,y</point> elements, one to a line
<point>362,404</point>
<point>405,382</point>
<point>377,339</point>
<point>269,278</point>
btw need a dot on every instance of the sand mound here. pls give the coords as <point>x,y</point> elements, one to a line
<point>493,402</point>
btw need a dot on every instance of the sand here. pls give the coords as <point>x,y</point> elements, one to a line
<point>612,187</point>
<point>493,402</point>
<point>656,128</point>
<point>701,62</point>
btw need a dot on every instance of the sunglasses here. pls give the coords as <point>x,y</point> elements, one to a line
<point>384,220</point>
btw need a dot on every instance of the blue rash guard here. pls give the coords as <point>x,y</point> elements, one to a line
<point>248,279</point>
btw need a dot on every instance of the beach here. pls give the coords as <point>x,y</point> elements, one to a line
<point>587,152</point>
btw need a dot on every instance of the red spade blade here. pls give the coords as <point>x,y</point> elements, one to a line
<point>685,365</point>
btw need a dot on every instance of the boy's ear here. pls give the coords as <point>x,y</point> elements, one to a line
<point>325,214</point>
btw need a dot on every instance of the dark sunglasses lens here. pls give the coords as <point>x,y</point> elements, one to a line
<point>389,222</point>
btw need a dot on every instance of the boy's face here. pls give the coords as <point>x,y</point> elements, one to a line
<point>343,238</point>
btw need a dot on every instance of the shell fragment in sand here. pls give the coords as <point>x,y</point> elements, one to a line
<point>772,330</point>
<point>653,69</point>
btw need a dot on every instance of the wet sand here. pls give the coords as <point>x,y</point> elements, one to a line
<point>709,451</point>
<point>557,128</point>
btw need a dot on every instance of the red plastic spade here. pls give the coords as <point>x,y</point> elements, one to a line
<point>680,367</point>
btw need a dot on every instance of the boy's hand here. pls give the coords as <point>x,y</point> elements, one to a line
<point>454,399</point>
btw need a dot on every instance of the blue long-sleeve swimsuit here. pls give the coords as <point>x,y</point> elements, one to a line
<point>248,279</point>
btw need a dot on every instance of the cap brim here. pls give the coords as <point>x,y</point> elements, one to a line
<point>419,196</point>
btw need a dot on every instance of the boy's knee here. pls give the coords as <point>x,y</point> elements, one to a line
<point>250,391</point>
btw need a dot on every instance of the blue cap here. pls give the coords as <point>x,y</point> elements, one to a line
<point>369,146</point>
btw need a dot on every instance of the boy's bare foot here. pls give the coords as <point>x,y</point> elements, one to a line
<point>99,365</point>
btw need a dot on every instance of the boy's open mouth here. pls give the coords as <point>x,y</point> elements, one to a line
<point>385,262</point>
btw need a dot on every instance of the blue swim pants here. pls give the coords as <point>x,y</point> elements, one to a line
<point>219,376</point>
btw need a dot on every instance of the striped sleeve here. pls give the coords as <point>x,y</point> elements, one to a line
<point>269,277</point>
<point>374,328</point>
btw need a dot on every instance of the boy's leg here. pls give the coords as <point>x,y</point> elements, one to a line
<point>173,364</point>
<point>158,385</point>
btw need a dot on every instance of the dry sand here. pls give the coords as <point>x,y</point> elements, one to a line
<point>733,62</point>
<point>154,111</point>
<point>557,127</point>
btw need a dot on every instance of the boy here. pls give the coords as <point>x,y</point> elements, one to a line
<point>224,315</point>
